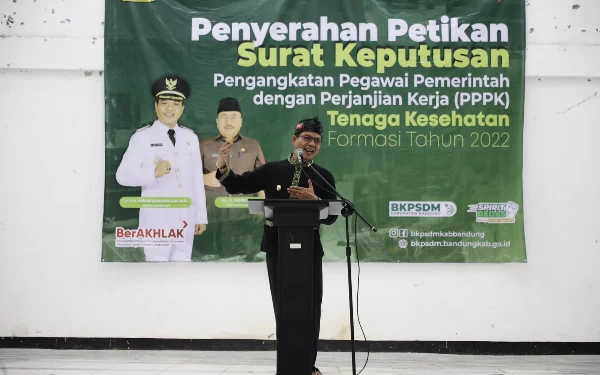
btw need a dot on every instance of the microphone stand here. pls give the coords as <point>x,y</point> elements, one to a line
<point>347,211</point>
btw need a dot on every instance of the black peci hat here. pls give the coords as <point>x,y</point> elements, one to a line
<point>229,104</point>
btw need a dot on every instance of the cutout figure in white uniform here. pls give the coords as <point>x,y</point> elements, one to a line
<point>164,159</point>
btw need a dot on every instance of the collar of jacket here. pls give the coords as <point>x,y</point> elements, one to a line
<point>296,163</point>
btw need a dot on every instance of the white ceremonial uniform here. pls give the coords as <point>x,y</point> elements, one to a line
<point>146,148</point>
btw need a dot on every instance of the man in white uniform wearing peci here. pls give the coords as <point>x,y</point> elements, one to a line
<point>164,159</point>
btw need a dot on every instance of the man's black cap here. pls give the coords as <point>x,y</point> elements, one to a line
<point>309,125</point>
<point>229,105</point>
<point>171,87</point>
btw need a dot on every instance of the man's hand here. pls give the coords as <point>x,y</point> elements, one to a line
<point>224,154</point>
<point>210,179</point>
<point>162,168</point>
<point>302,193</point>
<point>199,229</point>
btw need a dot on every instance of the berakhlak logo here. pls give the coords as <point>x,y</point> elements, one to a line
<point>495,213</point>
<point>418,209</point>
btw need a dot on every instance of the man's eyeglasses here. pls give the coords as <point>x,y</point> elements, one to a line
<point>231,117</point>
<point>308,138</point>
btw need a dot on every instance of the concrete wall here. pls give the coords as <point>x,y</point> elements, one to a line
<point>52,171</point>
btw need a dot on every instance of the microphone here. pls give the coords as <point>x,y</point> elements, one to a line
<point>300,155</point>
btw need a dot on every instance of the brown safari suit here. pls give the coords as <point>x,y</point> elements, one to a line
<point>232,229</point>
<point>245,155</point>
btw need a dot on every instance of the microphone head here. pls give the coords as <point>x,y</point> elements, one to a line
<point>299,153</point>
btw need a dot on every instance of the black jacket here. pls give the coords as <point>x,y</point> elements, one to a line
<point>269,177</point>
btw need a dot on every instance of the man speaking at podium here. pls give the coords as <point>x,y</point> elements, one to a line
<point>285,179</point>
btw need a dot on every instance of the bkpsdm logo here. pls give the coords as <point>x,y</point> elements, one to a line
<point>417,209</point>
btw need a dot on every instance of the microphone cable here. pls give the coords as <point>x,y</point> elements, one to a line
<point>357,299</point>
<point>357,260</point>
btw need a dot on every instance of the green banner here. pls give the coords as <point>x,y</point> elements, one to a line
<point>421,103</point>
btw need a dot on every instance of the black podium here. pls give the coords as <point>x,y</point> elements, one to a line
<point>296,221</point>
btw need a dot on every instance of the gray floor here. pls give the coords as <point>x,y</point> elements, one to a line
<point>81,362</point>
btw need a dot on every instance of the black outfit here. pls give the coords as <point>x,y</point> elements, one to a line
<point>274,178</point>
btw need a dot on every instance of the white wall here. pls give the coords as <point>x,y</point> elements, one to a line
<point>52,171</point>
